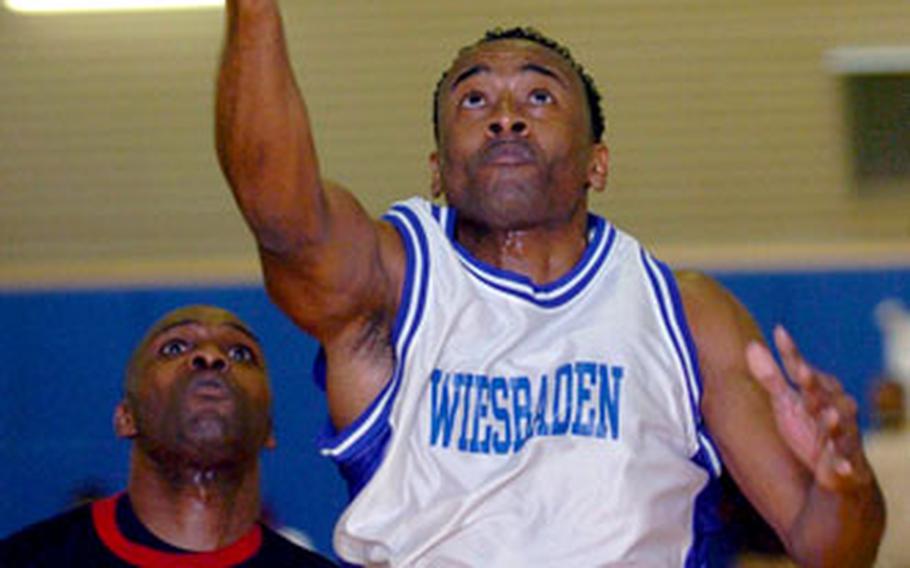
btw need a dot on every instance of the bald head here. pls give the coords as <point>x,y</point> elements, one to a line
<point>199,314</point>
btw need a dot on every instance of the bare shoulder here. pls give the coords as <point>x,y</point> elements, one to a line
<point>721,327</point>
<point>702,291</point>
<point>711,309</point>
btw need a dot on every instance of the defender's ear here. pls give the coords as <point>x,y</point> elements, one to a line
<point>435,177</point>
<point>599,168</point>
<point>124,422</point>
<point>270,441</point>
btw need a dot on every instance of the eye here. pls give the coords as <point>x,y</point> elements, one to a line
<point>241,354</point>
<point>540,97</point>
<point>174,347</point>
<point>473,100</point>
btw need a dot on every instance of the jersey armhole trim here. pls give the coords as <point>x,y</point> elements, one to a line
<point>673,317</point>
<point>356,441</point>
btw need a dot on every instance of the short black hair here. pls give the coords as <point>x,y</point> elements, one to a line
<point>592,95</point>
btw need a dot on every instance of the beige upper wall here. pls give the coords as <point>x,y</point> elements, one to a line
<point>726,128</point>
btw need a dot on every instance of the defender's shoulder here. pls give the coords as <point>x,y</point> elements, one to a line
<point>58,537</point>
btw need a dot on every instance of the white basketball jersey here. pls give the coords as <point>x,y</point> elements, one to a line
<point>529,425</point>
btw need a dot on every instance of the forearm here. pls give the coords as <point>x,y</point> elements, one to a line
<point>839,529</point>
<point>263,134</point>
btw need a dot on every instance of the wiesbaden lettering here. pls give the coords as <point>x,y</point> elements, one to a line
<point>478,413</point>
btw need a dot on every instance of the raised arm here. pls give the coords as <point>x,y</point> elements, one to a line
<point>335,271</point>
<point>795,453</point>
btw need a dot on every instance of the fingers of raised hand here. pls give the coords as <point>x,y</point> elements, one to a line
<point>819,391</point>
<point>817,388</point>
<point>842,459</point>
<point>765,369</point>
<point>833,467</point>
<point>829,383</point>
<point>814,400</point>
<point>840,424</point>
<point>838,471</point>
<point>796,366</point>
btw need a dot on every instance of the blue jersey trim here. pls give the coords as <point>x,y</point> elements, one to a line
<point>359,448</point>
<point>704,435</point>
<point>661,292</point>
<point>669,301</point>
<point>705,550</point>
<point>687,344</point>
<point>602,235</point>
<point>435,211</point>
<point>446,218</point>
<point>404,333</point>
<point>705,522</point>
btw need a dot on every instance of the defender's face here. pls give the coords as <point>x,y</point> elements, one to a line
<point>198,391</point>
<point>515,146</point>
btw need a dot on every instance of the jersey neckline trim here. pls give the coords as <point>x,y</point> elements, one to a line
<point>601,236</point>
<point>104,518</point>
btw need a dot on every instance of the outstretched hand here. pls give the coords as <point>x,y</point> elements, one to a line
<point>817,419</point>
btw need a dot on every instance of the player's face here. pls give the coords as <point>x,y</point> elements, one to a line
<point>515,148</point>
<point>198,390</point>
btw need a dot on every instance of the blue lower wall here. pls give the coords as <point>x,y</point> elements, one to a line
<point>63,354</point>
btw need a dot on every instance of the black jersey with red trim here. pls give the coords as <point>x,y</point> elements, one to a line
<point>107,534</point>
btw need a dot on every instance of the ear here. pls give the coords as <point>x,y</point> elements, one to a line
<point>124,422</point>
<point>435,177</point>
<point>270,441</point>
<point>599,168</point>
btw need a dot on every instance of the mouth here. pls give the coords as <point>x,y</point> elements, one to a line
<point>508,153</point>
<point>208,387</point>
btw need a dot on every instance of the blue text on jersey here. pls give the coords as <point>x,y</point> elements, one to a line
<point>479,413</point>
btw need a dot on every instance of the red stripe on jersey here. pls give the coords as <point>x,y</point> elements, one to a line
<point>104,516</point>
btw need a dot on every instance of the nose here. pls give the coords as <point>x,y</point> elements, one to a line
<point>506,120</point>
<point>209,358</point>
<point>517,127</point>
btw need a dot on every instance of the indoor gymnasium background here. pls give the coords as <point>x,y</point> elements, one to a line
<point>766,143</point>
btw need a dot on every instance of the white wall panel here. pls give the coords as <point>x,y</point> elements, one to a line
<point>725,126</point>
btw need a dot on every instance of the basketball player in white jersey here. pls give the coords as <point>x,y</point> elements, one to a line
<point>511,380</point>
